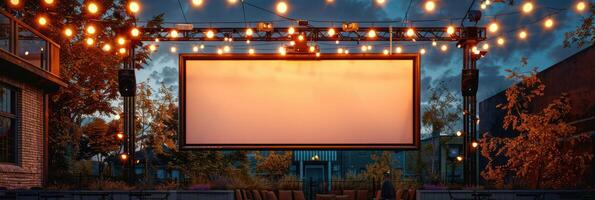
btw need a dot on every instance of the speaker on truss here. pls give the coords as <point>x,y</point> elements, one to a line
<point>469,82</point>
<point>126,82</point>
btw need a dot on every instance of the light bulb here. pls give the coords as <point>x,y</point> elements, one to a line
<point>152,47</point>
<point>434,43</point>
<point>474,144</point>
<point>493,27</point>
<point>197,2</point>
<point>459,133</point>
<point>331,32</point>
<point>580,6</point>
<point>107,47</point>
<point>372,33</point>
<point>300,37</point>
<point>90,41</point>
<point>122,50</point>
<point>219,51</point>
<point>232,1</point>
<point>460,158</point>
<point>398,50</point>
<point>195,49</point>
<point>121,41</point>
<point>523,34</point>
<point>134,32</point>
<point>410,32</point>
<point>249,32</point>
<point>291,30</point>
<point>500,41</point>
<point>485,46</point>
<point>49,2</point>
<point>210,34</point>
<point>173,33</point>
<point>173,49</point>
<point>251,51</point>
<point>15,2</point>
<point>444,47</point>
<point>422,51</point>
<point>450,30</point>
<point>92,8</point>
<point>312,49</point>
<point>548,23</point>
<point>68,32</point>
<point>282,7</point>
<point>42,21</point>
<point>339,50</point>
<point>430,5</point>
<point>385,52</point>
<point>527,7</point>
<point>133,6</point>
<point>226,49</point>
<point>380,2</point>
<point>364,48</point>
<point>91,29</point>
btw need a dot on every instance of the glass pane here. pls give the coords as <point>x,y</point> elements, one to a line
<point>4,33</point>
<point>6,100</point>
<point>32,48</point>
<point>7,140</point>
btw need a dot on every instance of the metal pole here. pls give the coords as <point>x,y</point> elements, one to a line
<point>469,118</point>
<point>129,124</point>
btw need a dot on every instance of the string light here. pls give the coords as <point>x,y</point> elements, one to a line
<point>292,43</point>
<point>226,49</point>
<point>300,37</point>
<point>317,54</point>
<point>459,133</point>
<point>173,49</point>
<point>195,48</point>
<point>197,2</point>
<point>459,158</point>
<point>68,32</point>
<point>152,47</point>
<point>548,23</point>
<point>346,51</point>
<point>134,32</point>
<point>291,30</point>
<point>487,2</point>
<point>336,41</point>
<point>369,47</point>
<point>107,47</point>
<point>340,50</point>
<point>523,34</point>
<point>123,156</point>
<point>430,6</point>
<point>483,6</point>
<point>380,2</point>
<point>49,2</point>
<point>173,33</point>
<point>156,39</point>
<point>219,51</point>
<point>372,33</point>
<point>450,30</point>
<point>500,41</point>
<point>422,51</point>
<point>133,6</point>
<point>444,47</point>
<point>247,41</point>
<point>282,51</point>
<point>282,7</point>
<point>312,49</point>
<point>580,6</point>
<point>331,32</point>
<point>232,1</point>
<point>15,2</point>
<point>493,27</point>
<point>91,30</point>
<point>249,32</point>
<point>398,50</point>
<point>434,43</point>
<point>410,32</point>
<point>364,48</point>
<point>330,1</point>
<point>527,7</point>
<point>120,136</point>
<point>210,34</point>
<point>42,21</point>
<point>121,41</point>
<point>90,41</point>
<point>474,144</point>
<point>202,46</point>
<point>385,52</point>
<point>122,50</point>
<point>92,8</point>
<point>485,46</point>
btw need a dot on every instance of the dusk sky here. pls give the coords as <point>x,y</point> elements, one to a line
<point>542,47</point>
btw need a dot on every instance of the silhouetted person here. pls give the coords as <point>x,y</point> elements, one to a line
<point>388,190</point>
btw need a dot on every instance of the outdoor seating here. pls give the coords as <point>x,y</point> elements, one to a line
<point>298,195</point>
<point>362,195</point>
<point>343,197</point>
<point>401,194</point>
<point>350,193</point>
<point>246,195</point>
<point>285,195</point>
<point>238,195</point>
<point>271,196</point>
<point>263,194</point>
<point>326,197</point>
<point>257,195</point>
<point>411,194</point>
<point>378,195</point>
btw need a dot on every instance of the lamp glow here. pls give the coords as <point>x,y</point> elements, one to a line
<point>493,27</point>
<point>474,144</point>
<point>134,32</point>
<point>485,46</point>
<point>121,41</point>
<point>196,2</point>
<point>523,34</point>
<point>152,47</point>
<point>282,7</point>
<point>291,30</point>
<point>527,7</point>
<point>459,158</point>
<point>548,23</point>
<point>398,50</point>
<point>220,51</point>
<point>122,50</point>
<point>15,2</point>
<point>68,32</point>
<point>173,33</point>
<point>210,34</point>
<point>91,30</point>
<point>385,52</point>
<point>364,48</point>
<point>226,49</point>
<point>422,51</point>
<point>249,32</point>
<point>92,8</point>
<point>195,48</point>
<point>42,21</point>
<point>450,30</point>
<point>49,2</point>
<point>580,6</point>
<point>410,32</point>
<point>173,49</point>
<point>331,32</point>
<point>107,47</point>
<point>500,41</point>
<point>133,6</point>
<point>459,133</point>
<point>251,51</point>
<point>372,33</point>
<point>123,156</point>
<point>430,6</point>
<point>90,41</point>
<point>444,47</point>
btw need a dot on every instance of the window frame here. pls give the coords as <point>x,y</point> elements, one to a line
<point>14,119</point>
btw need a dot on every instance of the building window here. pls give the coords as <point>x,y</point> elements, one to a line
<point>8,121</point>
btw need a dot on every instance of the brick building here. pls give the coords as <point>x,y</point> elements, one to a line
<point>29,72</point>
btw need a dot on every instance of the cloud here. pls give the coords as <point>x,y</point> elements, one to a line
<point>167,75</point>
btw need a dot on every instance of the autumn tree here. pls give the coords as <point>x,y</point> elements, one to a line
<point>381,163</point>
<point>274,165</point>
<point>584,34</point>
<point>99,141</point>
<point>543,152</point>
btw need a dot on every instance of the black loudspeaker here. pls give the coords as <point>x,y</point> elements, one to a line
<point>127,82</point>
<point>469,82</point>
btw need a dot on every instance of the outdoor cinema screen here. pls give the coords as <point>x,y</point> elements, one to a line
<point>357,101</point>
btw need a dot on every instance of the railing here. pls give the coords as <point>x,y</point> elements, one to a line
<point>24,42</point>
